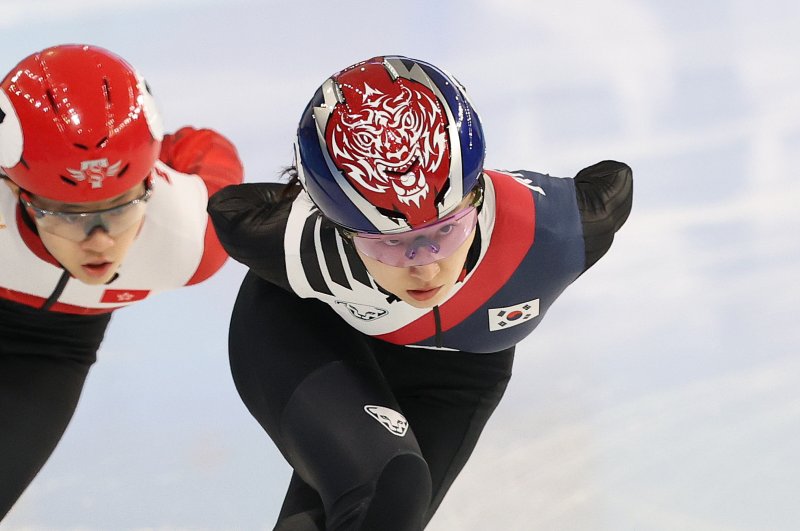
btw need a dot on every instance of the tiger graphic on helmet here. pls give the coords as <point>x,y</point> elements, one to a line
<point>388,145</point>
<point>390,140</point>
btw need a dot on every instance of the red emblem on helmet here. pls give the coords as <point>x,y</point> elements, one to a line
<point>389,138</point>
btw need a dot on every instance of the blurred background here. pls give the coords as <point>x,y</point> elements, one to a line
<point>662,391</point>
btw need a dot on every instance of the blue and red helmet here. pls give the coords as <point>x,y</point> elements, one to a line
<point>389,144</point>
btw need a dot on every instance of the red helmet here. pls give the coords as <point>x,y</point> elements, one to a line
<point>77,124</point>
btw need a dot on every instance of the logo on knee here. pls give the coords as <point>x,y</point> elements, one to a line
<point>389,418</point>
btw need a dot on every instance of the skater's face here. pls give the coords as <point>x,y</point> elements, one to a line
<point>422,286</point>
<point>90,240</point>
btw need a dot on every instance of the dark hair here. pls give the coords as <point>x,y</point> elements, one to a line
<point>293,186</point>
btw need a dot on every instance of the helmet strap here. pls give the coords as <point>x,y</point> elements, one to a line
<point>26,217</point>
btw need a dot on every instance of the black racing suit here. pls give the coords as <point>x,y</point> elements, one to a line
<point>376,405</point>
<point>44,359</point>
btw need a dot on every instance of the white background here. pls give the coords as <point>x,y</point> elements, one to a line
<point>661,391</point>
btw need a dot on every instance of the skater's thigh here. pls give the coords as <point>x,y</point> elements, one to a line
<point>344,435</point>
<point>44,360</point>
<point>447,397</point>
<point>278,341</point>
<point>38,396</point>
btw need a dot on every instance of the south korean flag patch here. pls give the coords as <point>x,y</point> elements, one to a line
<point>502,318</point>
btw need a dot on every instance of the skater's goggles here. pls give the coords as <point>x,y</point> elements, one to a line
<point>77,226</point>
<point>420,246</point>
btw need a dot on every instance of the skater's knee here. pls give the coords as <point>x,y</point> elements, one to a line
<point>400,499</point>
<point>403,492</point>
<point>299,522</point>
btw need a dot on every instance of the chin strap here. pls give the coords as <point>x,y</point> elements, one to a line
<point>62,283</point>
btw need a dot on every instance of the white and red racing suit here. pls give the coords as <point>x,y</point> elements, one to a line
<point>51,324</point>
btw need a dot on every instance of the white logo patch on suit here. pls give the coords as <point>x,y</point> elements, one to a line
<point>389,419</point>
<point>364,312</point>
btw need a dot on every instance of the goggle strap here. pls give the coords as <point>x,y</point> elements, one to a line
<point>26,216</point>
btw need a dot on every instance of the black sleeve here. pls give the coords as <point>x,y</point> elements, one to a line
<point>250,221</point>
<point>605,196</point>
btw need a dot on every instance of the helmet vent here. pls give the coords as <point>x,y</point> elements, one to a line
<point>68,181</point>
<point>51,98</point>
<point>394,214</point>
<point>106,90</point>
<point>122,171</point>
<point>81,146</point>
<point>442,193</point>
<point>103,142</point>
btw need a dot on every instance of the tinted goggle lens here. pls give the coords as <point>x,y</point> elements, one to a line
<point>77,226</point>
<point>419,246</point>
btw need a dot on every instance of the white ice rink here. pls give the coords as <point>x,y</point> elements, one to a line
<point>661,392</point>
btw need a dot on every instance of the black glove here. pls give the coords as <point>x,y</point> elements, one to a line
<point>605,195</point>
<point>249,224</point>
